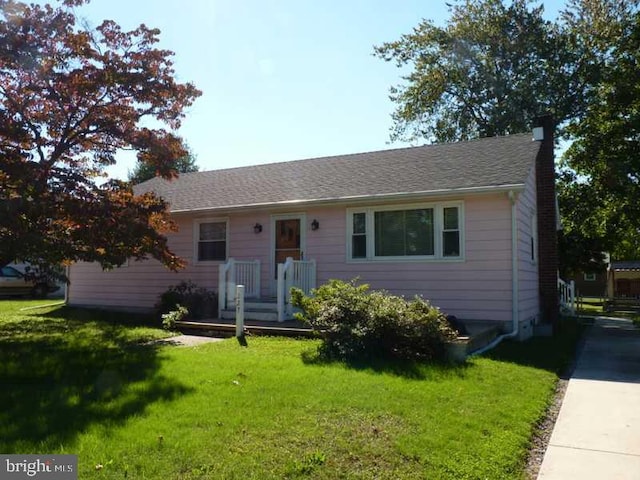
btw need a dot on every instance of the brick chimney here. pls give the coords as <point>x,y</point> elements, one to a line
<point>547,221</point>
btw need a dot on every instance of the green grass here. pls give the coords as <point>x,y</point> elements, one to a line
<point>593,306</point>
<point>89,383</point>
<point>590,306</point>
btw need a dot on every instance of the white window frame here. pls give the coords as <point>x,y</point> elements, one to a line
<point>196,239</point>
<point>589,277</point>
<point>438,220</point>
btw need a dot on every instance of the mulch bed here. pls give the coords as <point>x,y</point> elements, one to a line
<point>544,429</point>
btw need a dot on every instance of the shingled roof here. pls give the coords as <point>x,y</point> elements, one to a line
<point>626,266</point>
<point>477,164</point>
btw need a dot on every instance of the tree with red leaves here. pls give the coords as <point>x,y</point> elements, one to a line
<point>70,98</point>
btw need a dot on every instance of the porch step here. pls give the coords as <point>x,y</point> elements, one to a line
<point>265,309</point>
<point>261,305</point>
<point>263,314</point>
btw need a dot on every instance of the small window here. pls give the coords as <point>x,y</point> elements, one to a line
<point>534,238</point>
<point>212,241</point>
<point>359,236</point>
<point>451,232</point>
<point>590,277</point>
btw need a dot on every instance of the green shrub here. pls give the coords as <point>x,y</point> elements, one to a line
<point>169,319</point>
<point>354,322</point>
<point>199,302</point>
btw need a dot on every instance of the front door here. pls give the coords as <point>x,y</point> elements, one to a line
<point>288,239</point>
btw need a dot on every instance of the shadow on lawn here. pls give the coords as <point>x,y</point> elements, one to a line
<point>61,373</point>
<point>555,353</point>
<point>402,368</point>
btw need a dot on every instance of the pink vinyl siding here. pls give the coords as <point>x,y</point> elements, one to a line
<point>528,302</point>
<point>477,286</point>
<point>140,284</point>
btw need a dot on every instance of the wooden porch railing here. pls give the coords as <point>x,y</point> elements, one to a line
<point>237,272</point>
<point>567,294</point>
<point>293,273</point>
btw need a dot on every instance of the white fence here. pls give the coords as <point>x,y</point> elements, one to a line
<point>237,272</point>
<point>293,273</point>
<point>567,294</point>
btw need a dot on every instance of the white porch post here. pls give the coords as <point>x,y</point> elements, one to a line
<point>240,311</point>
<point>288,283</point>
<point>257,273</point>
<point>231,287</point>
<point>280,292</point>
<point>222,290</point>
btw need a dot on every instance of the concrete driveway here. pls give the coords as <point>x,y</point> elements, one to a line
<point>597,433</point>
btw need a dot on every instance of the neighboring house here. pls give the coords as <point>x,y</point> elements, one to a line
<point>623,279</point>
<point>591,284</point>
<point>471,226</point>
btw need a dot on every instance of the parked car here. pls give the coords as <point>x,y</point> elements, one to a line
<point>13,282</point>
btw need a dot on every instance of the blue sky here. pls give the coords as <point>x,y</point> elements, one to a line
<point>281,79</point>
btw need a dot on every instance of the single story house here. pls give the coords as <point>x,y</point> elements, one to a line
<point>623,279</point>
<point>591,284</point>
<point>470,226</point>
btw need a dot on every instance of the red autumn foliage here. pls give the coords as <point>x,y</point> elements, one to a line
<point>70,98</point>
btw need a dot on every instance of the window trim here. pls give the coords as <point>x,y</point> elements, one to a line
<point>444,230</point>
<point>196,239</point>
<point>589,277</point>
<point>438,216</point>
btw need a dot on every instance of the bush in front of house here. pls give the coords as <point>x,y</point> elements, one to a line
<point>169,319</point>
<point>199,302</point>
<point>357,323</point>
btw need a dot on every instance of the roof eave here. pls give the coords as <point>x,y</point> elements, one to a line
<point>441,193</point>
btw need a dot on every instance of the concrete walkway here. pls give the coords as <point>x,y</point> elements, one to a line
<point>597,433</point>
<point>187,340</point>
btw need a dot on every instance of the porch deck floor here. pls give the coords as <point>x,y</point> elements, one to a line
<point>227,327</point>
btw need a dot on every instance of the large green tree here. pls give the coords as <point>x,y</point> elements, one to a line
<point>600,183</point>
<point>143,171</point>
<point>70,98</point>
<point>489,71</point>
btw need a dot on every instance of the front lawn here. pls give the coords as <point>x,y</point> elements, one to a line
<point>88,383</point>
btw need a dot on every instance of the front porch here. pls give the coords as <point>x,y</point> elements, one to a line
<point>259,304</point>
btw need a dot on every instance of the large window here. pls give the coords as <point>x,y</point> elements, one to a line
<point>211,240</point>
<point>400,233</point>
<point>419,232</point>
